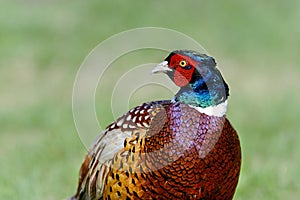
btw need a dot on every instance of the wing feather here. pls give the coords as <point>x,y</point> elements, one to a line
<point>112,140</point>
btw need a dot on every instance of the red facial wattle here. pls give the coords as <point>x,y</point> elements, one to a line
<point>182,74</point>
<point>182,77</point>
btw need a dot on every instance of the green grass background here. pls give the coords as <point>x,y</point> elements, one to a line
<point>43,43</point>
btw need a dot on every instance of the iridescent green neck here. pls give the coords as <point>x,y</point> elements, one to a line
<point>204,92</point>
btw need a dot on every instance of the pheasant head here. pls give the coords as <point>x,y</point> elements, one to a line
<point>201,83</point>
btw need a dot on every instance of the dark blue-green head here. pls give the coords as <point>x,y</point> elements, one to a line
<point>201,83</point>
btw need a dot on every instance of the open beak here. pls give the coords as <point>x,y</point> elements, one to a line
<point>161,67</point>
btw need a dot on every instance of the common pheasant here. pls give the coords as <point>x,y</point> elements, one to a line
<point>184,148</point>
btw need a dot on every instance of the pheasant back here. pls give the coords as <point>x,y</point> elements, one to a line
<point>165,158</point>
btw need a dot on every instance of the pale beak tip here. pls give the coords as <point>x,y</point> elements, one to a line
<point>161,67</point>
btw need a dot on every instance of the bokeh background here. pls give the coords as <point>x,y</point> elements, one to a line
<point>43,43</point>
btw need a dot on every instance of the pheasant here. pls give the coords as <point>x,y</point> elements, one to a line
<point>184,148</point>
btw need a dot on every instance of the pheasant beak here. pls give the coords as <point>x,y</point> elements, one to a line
<point>161,67</point>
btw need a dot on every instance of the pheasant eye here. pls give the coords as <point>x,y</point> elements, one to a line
<point>182,63</point>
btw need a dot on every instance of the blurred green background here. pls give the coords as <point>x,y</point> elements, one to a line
<point>43,43</point>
